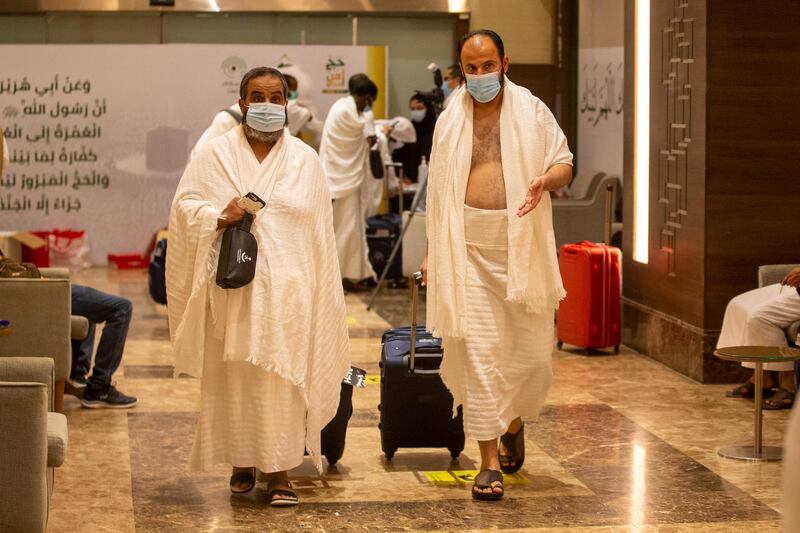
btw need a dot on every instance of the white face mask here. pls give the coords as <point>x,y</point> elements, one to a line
<point>418,115</point>
<point>266,117</point>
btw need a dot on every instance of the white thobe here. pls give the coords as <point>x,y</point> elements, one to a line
<point>758,318</point>
<point>344,154</point>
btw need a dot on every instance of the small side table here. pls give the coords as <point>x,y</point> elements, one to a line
<point>758,355</point>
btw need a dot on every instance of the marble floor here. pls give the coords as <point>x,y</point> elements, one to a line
<point>623,444</point>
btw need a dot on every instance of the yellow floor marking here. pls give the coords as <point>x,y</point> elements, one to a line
<point>372,379</point>
<point>441,477</point>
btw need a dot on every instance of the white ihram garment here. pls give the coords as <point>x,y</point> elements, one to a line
<point>271,354</point>
<point>493,305</point>
<point>502,367</point>
<point>758,318</point>
<point>344,156</point>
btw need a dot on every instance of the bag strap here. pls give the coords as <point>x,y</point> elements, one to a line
<point>235,114</point>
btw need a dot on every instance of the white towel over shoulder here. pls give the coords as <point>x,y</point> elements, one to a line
<point>531,143</point>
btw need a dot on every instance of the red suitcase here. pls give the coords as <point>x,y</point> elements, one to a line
<point>589,317</point>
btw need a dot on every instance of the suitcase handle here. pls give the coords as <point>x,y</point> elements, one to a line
<point>416,280</point>
<point>609,213</point>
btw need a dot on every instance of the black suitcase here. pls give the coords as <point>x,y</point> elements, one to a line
<point>416,408</point>
<point>382,234</point>
<point>156,273</point>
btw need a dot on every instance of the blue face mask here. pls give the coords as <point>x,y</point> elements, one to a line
<point>446,89</point>
<point>266,117</point>
<point>293,95</point>
<point>418,115</point>
<point>483,88</point>
<point>367,109</point>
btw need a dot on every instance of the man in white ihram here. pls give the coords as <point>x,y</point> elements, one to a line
<point>348,134</point>
<point>272,354</point>
<point>491,271</point>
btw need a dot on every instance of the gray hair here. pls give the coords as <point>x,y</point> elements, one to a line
<point>262,72</point>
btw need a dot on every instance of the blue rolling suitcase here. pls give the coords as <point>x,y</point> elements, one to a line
<point>416,408</point>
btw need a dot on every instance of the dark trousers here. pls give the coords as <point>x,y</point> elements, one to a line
<point>98,307</point>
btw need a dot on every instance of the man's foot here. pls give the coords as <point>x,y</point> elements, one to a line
<point>745,390</point>
<point>243,479</point>
<point>783,399</point>
<point>108,398</point>
<point>488,486</point>
<point>280,492</point>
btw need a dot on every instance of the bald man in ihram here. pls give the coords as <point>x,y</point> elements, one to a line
<point>272,354</point>
<point>491,271</point>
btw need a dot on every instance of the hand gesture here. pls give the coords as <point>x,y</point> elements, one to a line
<point>792,279</point>
<point>535,191</point>
<point>232,215</point>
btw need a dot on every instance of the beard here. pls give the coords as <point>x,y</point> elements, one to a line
<point>265,137</point>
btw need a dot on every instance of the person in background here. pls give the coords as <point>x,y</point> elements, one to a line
<point>453,79</point>
<point>423,117</point>
<point>300,118</point>
<point>223,122</point>
<point>758,318</point>
<point>97,391</point>
<point>346,140</point>
<point>392,134</point>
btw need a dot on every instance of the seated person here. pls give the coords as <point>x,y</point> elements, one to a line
<point>115,311</point>
<point>758,318</point>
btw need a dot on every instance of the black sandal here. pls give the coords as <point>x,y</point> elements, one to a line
<point>283,497</point>
<point>243,476</point>
<point>783,399</point>
<point>515,445</point>
<point>488,479</point>
<point>745,390</point>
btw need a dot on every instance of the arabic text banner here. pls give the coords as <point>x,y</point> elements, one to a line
<point>98,136</point>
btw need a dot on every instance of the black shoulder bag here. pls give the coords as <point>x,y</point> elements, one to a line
<point>237,256</point>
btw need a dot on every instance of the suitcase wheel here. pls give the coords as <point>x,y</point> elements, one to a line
<point>616,349</point>
<point>559,344</point>
<point>389,454</point>
<point>454,454</point>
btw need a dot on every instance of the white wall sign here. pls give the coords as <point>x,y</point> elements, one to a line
<point>600,102</point>
<point>98,136</point>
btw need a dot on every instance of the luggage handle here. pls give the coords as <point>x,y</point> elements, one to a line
<point>609,213</point>
<point>416,280</point>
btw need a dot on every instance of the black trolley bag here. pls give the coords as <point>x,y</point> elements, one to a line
<point>416,408</point>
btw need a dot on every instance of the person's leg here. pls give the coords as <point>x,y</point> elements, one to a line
<point>116,312</point>
<point>489,461</point>
<point>82,355</point>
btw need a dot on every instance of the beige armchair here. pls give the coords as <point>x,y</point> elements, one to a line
<point>38,312</point>
<point>33,441</point>
<point>583,218</point>
<point>771,274</point>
